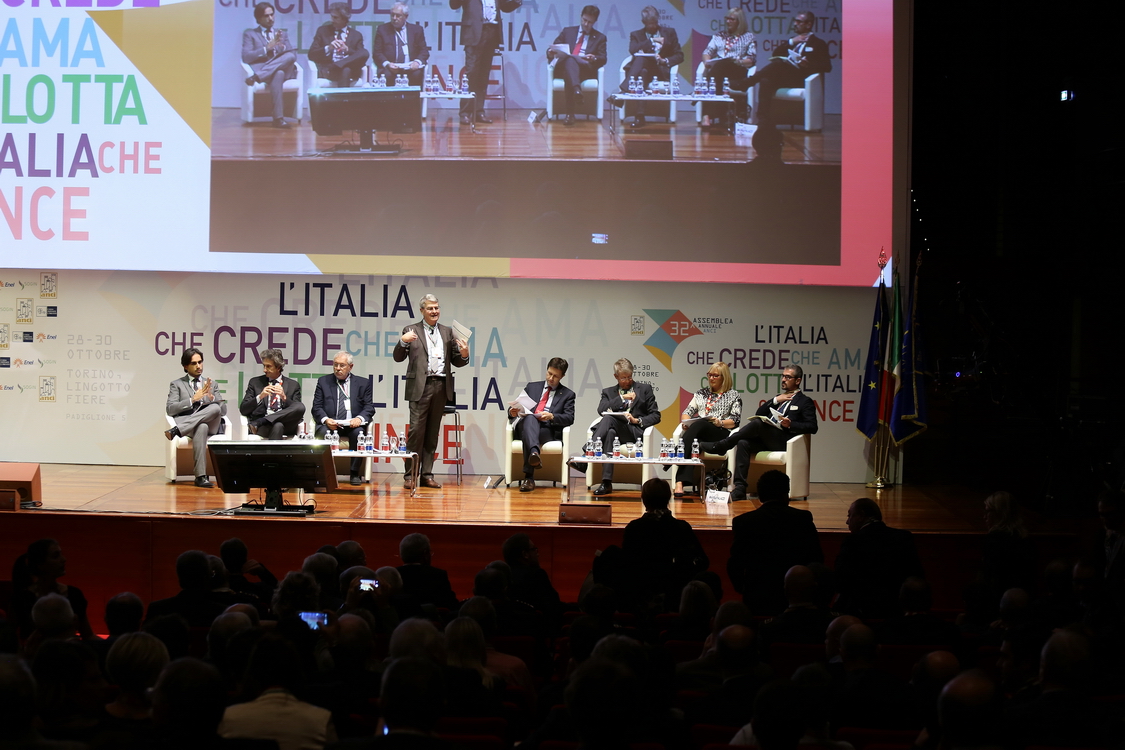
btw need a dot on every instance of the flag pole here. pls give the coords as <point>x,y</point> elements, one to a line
<point>882,446</point>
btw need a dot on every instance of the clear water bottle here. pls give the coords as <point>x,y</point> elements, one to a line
<point>711,87</point>
<point>675,85</point>
<point>664,449</point>
<point>698,86</point>
<point>590,449</point>
<point>383,81</point>
<point>384,443</point>
<point>616,448</point>
<point>464,83</point>
<point>598,448</point>
<point>429,81</point>
<point>695,449</point>
<point>334,440</point>
<point>679,449</point>
<point>640,448</point>
<point>633,84</point>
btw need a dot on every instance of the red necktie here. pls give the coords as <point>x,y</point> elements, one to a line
<point>578,44</point>
<point>543,400</point>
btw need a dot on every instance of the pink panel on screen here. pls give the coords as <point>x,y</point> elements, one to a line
<point>866,182</point>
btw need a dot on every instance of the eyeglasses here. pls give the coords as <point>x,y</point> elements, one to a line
<point>789,377</point>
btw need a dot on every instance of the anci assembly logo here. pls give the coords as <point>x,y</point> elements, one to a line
<point>673,329</point>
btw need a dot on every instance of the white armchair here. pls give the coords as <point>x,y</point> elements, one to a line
<point>811,99</point>
<point>553,454</point>
<point>593,93</point>
<point>793,462</point>
<point>624,473</point>
<point>179,461</point>
<point>653,108</point>
<point>256,105</point>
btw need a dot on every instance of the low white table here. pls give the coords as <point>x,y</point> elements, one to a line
<point>617,98</point>
<point>414,466</point>
<point>581,459</point>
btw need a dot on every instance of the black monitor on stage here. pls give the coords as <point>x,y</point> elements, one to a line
<point>273,466</point>
<point>334,111</point>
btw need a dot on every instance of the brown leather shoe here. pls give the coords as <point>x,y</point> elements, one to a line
<point>408,483</point>
<point>534,461</point>
<point>527,484</point>
<point>431,483</point>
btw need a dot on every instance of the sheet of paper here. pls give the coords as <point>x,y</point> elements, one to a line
<point>526,403</point>
<point>462,331</point>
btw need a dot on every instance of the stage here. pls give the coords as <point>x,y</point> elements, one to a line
<point>122,527</point>
<point>443,137</point>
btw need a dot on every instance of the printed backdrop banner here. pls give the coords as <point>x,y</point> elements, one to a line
<point>527,34</point>
<point>86,357</point>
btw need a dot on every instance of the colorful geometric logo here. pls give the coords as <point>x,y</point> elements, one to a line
<point>674,328</point>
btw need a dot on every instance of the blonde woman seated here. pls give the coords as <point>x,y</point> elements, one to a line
<point>719,409</point>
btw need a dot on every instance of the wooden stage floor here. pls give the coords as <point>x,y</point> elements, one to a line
<point>443,137</point>
<point>143,490</point>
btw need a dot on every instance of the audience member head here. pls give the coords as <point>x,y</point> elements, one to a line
<point>603,700</point>
<point>731,613</point>
<point>297,592</point>
<point>836,629</point>
<point>778,719</point>
<point>465,647</point>
<point>354,642</point>
<point>188,700</point>
<point>1019,654</point>
<point>226,626</point>
<point>247,609</point>
<point>862,512</point>
<point>323,568</point>
<point>737,647</point>
<point>815,683</point>
<point>1064,662</point>
<point>124,613</point>
<point>350,553</point>
<point>390,580</point>
<point>193,571</point>
<point>414,549</point>
<point>274,664</point>
<point>491,583</point>
<point>416,638</point>
<point>17,697</point>
<point>352,573</point>
<point>624,651</point>
<point>928,676</point>
<point>656,494</point>
<point>234,554</point>
<point>220,581</point>
<point>712,581</point>
<point>53,616</point>
<point>173,631</point>
<point>800,585</point>
<point>328,549</point>
<point>697,603</point>
<point>1058,578</point>
<point>504,568</point>
<point>520,551</point>
<point>914,595</point>
<point>134,662</point>
<point>1087,582</point>
<point>412,695</point>
<point>481,609</point>
<point>69,684</point>
<point>969,710</point>
<point>43,562</point>
<point>773,485</point>
<point>1002,515</point>
<point>857,647</point>
<point>1015,607</point>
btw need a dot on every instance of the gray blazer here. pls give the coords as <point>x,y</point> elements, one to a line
<point>179,405</point>
<point>254,48</point>
<point>418,352</point>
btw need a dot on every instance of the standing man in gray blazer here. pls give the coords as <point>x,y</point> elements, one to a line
<point>272,57</point>
<point>433,351</point>
<point>196,404</point>
<point>482,31</point>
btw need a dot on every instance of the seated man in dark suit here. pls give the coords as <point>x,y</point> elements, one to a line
<point>791,62</point>
<point>337,50</point>
<point>272,403</point>
<point>553,412</point>
<point>767,543</point>
<point>655,50</point>
<point>803,621</point>
<point>798,417</point>
<point>420,579</point>
<point>585,54</point>
<point>873,562</point>
<point>637,402</point>
<point>343,403</point>
<point>400,47</point>
<point>195,602</point>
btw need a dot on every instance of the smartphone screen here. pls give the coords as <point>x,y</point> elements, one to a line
<point>315,620</point>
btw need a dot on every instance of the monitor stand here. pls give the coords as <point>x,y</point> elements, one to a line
<point>368,145</point>
<point>274,507</point>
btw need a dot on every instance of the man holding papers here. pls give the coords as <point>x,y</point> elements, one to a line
<point>540,414</point>
<point>626,410</point>
<point>787,414</point>
<point>433,350</point>
<point>582,52</point>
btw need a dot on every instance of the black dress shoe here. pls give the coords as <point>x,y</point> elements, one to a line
<point>579,97</point>
<point>483,120</point>
<point>465,120</point>
<point>579,466</point>
<point>203,482</point>
<point>569,121</point>
<point>281,124</point>
<point>252,428</point>
<point>534,461</point>
<point>639,121</point>
<point>605,488</point>
<point>738,493</point>
<point>356,479</point>
<point>251,80</point>
<point>172,433</point>
<point>527,484</point>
